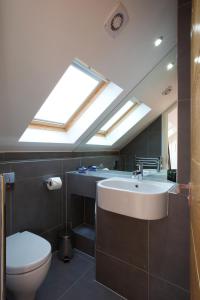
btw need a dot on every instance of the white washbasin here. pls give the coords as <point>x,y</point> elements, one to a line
<point>147,200</point>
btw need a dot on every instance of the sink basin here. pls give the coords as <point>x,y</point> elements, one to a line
<point>146,200</point>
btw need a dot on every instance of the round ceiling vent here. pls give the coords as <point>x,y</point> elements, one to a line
<point>117,20</point>
<point>167,91</point>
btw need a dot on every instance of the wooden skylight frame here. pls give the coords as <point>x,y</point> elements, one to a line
<point>105,133</point>
<point>56,126</point>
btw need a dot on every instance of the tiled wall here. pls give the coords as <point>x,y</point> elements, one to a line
<point>147,143</point>
<point>145,260</point>
<point>195,158</point>
<point>30,206</point>
<point>184,39</point>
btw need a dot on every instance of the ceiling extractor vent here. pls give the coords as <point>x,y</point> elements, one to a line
<point>117,20</point>
<point>167,90</point>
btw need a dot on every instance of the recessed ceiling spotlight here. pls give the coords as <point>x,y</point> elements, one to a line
<point>170,66</point>
<point>197,60</point>
<point>158,41</point>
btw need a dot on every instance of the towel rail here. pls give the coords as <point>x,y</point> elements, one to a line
<point>149,162</point>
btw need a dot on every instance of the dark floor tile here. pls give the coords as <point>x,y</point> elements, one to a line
<point>62,276</point>
<point>169,243</point>
<point>122,237</point>
<point>162,290</point>
<point>88,289</point>
<point>128,281</point>
<point>84,256</point>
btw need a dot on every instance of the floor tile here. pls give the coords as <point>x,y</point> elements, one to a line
<point>62,276</point>
<point>88,289</point>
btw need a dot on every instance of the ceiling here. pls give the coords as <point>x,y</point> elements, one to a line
<point>39,39</point>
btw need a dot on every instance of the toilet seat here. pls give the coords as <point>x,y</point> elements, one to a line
<point>25,252</point>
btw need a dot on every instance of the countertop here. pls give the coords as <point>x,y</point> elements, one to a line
<point>148,174</point>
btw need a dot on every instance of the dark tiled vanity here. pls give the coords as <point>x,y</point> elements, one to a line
<point>81,202</point>
<point>81,206</point>
<point>136,258</point>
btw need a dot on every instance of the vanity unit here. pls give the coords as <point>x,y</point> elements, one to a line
<point>136,254</point>
<point>81,201</point>
<point>81,206</point>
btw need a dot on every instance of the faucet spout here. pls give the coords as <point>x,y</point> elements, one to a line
<point>138,172</point>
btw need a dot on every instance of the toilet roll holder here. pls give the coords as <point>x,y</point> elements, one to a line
<point>49,182</point>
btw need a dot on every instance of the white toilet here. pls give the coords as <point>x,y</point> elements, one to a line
<point>28,258</point>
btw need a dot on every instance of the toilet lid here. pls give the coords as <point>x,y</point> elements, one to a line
<point>25,252</point>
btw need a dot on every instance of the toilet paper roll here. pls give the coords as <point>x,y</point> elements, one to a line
<point>54,183</point>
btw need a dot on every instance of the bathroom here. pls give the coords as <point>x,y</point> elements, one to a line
<point>133,59</point>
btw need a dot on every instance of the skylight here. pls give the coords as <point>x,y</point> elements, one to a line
<point>115,119</point>
<point>79,98</point>
<point>122,127</point>
<point>69,94</point>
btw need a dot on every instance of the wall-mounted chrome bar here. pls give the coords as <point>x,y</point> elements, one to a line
<point>149,162</point>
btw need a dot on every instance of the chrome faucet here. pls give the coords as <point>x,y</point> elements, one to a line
<point>138,172</point>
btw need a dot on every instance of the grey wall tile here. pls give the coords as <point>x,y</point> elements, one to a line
<point>22,156</point>
<point>4,168</point>
<point>36,208</point>
<point>84,244</point>
<point>183,141</point>
<point>82,185</point>
<point>71,164</point>
<point>123,237</point>
<point>169,244</point>
<point>2,156</point>
<point>162,290</point>
<point>31,206</point>
<point>147,144</point>
<point>39,168</point>
<point>52,236</point>
<point>126,280</point>
<point>107,161</point>
<point>183,2</point>
<point>89,210</point>
<point>77,210</point>
<point>184,90</point>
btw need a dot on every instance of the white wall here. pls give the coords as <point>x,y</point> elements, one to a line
<point>39,39</point>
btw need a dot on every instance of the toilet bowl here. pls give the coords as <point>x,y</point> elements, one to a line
<point>28,258</point>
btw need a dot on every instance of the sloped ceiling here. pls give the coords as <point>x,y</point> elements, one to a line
<point>39,39</point>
